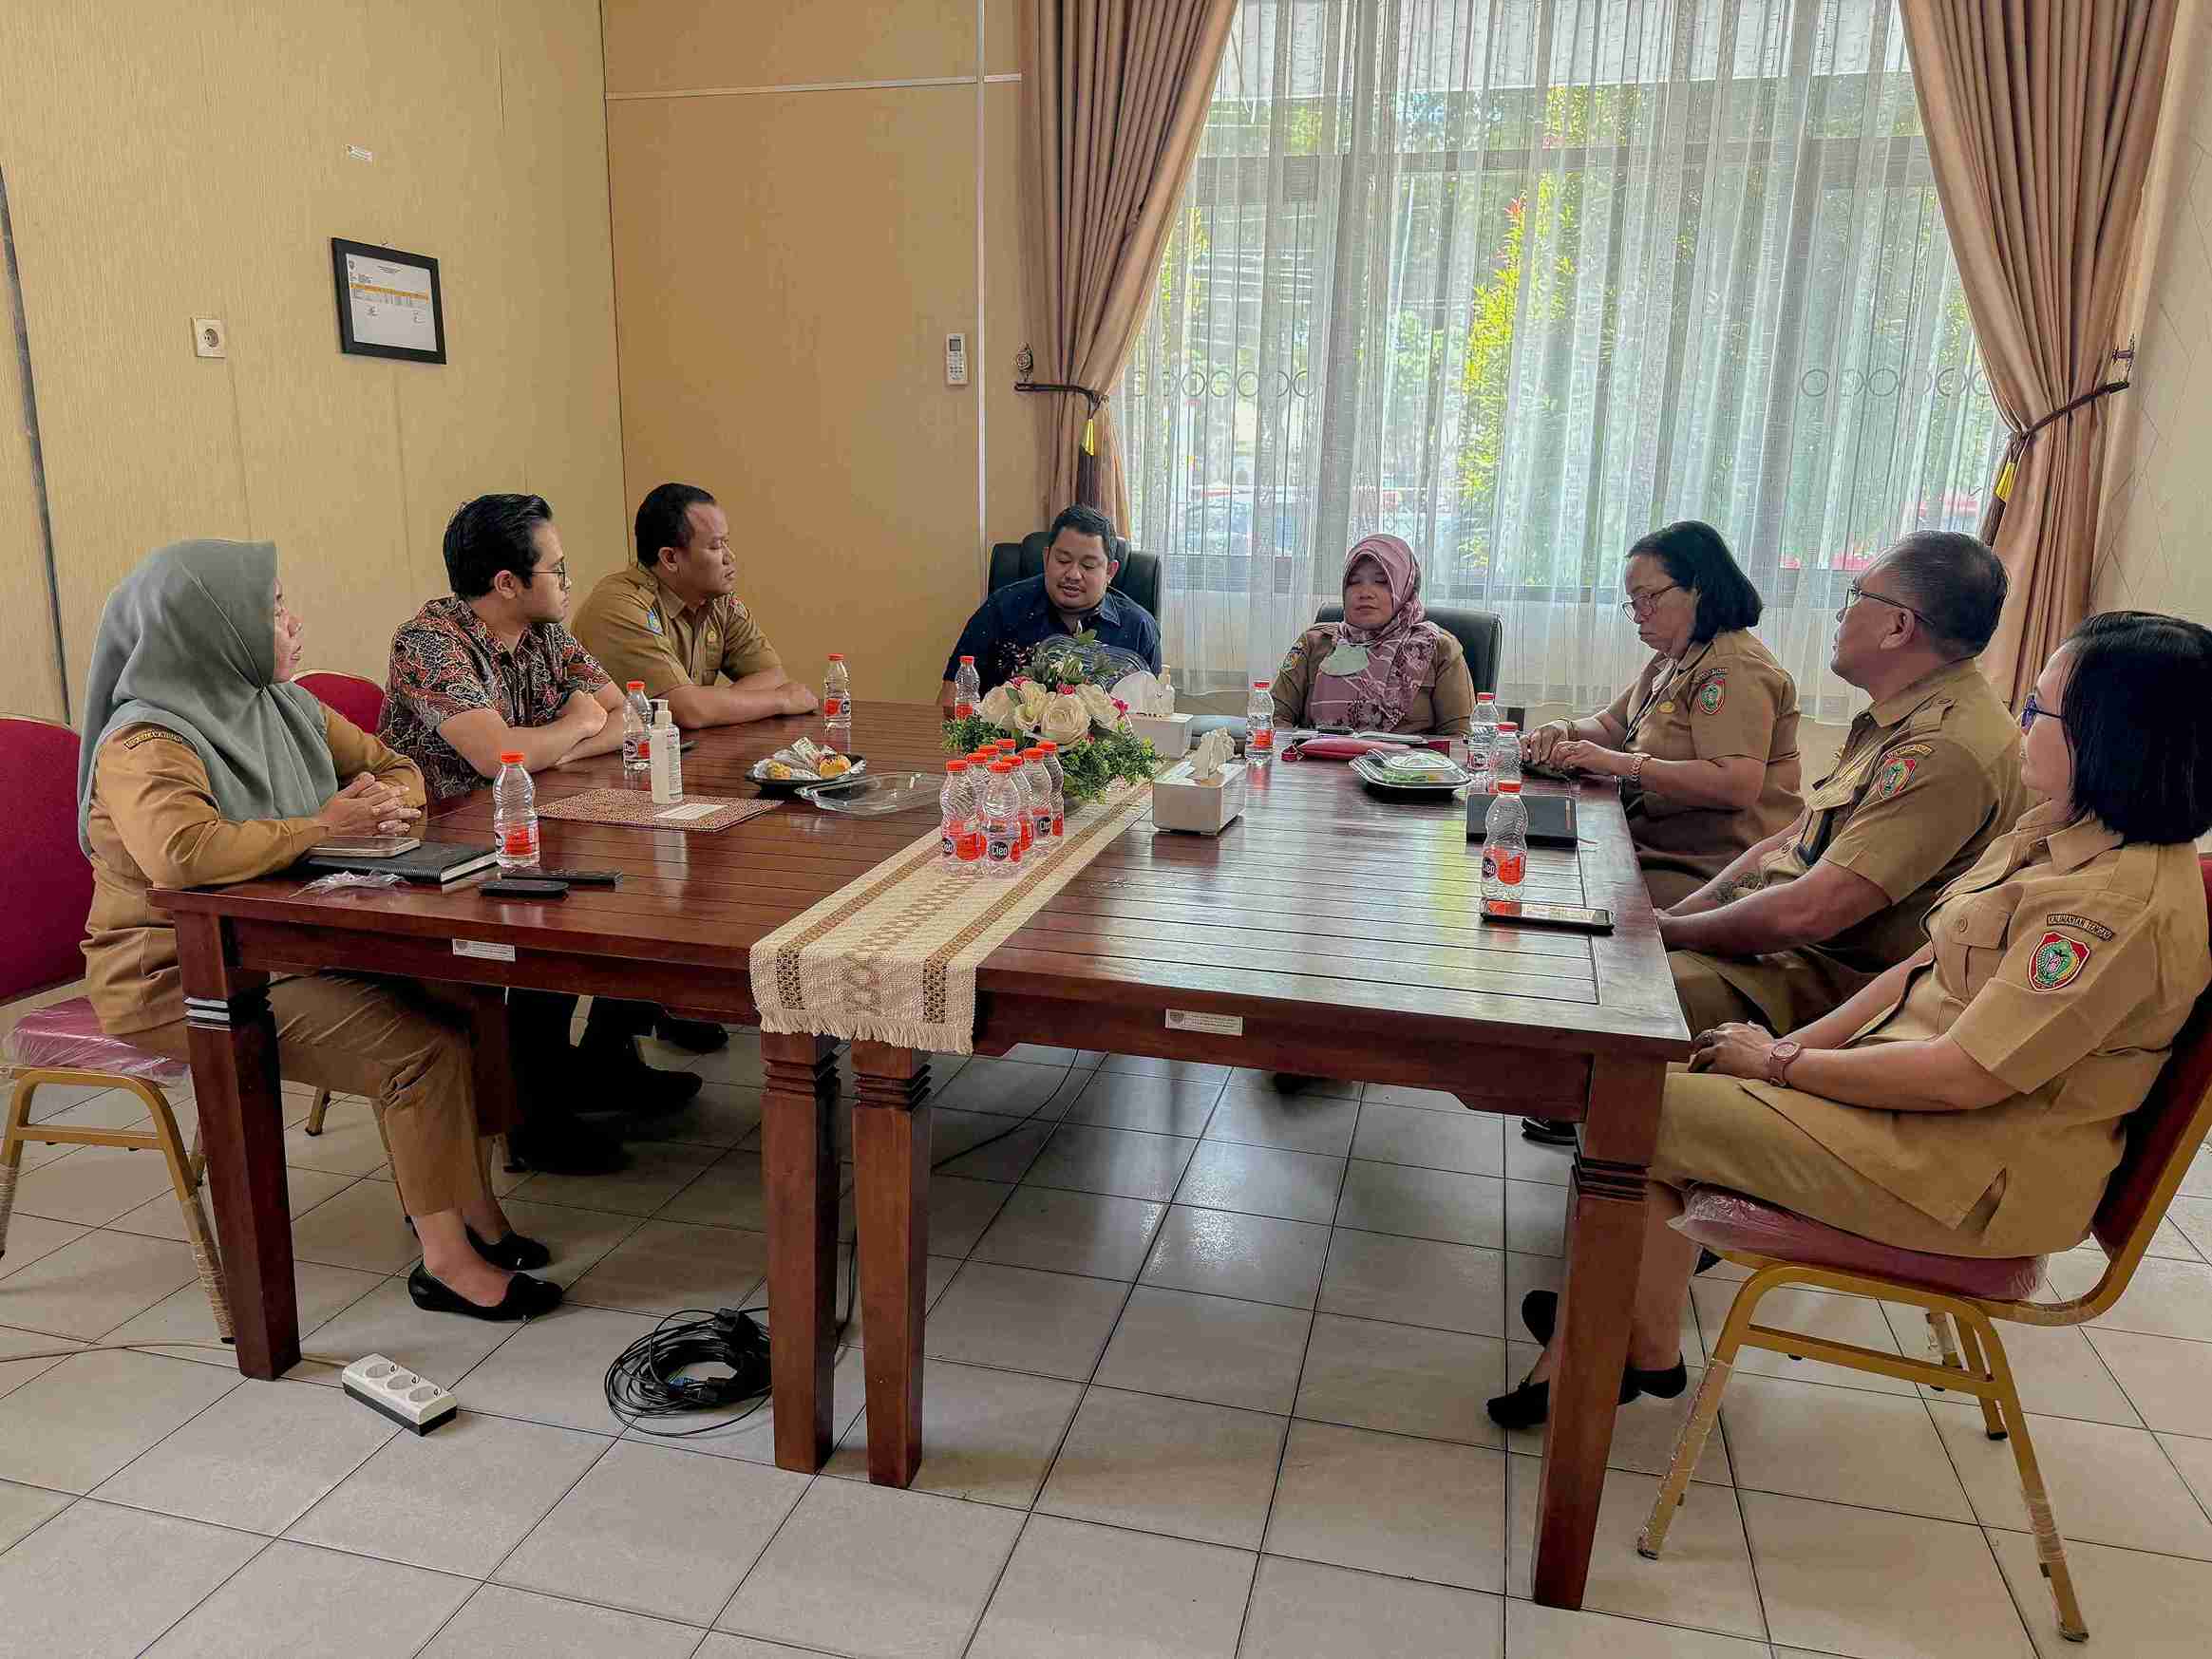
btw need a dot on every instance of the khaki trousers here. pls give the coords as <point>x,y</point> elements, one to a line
<point>1782,991</point>
<point>402,1044</point>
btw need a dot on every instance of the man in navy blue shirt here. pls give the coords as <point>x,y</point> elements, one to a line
<point>1070,598</point>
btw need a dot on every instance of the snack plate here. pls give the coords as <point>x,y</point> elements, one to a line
<point>875,797</point>
<point>787,786</point>
<point>1379,778</point>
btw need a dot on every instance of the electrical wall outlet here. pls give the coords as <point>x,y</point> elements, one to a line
<point>209,338</point>
<point>414,1403</point>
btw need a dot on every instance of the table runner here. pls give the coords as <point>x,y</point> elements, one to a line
<point>891,957</point>
<point>693,815</point>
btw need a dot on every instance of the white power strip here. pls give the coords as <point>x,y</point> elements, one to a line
<point>414,1403</point>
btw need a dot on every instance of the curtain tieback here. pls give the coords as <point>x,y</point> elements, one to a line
<point>2015,446</point>
<point>1093,397</point>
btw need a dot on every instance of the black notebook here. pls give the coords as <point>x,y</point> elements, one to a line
<point>436,863</point>
<point>1550,819</point>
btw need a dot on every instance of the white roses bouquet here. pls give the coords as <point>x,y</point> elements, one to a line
<point>1063,700</point>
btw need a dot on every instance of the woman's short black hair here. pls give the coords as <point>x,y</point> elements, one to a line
<point>2142,761</point>
<point>1695,557</point>
<point>490,534</point>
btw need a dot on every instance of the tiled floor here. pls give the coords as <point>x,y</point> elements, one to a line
<point>1205,1376</point>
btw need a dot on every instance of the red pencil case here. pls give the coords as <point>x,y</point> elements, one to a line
<point>1345,748</point>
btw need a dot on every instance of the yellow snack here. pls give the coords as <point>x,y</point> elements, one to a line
<point>777,770</point>
<point>836,766</point>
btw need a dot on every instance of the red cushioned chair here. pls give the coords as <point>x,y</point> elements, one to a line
<point>46,890</point>
<point>1786,1249</point>
<point>362,702</point>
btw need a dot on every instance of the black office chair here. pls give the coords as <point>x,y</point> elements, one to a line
<point>1138,578</point>
<point>1481,633</point>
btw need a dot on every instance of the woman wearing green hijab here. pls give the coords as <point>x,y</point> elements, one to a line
<point>208,766</point>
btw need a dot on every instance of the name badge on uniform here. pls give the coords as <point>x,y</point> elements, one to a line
<point>1345,661</point>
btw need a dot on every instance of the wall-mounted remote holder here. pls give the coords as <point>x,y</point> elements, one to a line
<point>384,1385</point>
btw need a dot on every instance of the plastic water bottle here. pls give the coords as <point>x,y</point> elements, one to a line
<point>1506,843</point>
<point>967,689</point>
<point>1059,776</point>
<point>1482,735</point>
<point>1260,725</point>
<point>836,706</point>
<point>1037,781</point>
<point>636,718</point>
<point>1002,821</point>
<point>1505,758</point>
<point>962,840</point>
<point>515,814</point>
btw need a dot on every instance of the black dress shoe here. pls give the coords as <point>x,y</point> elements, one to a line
<point>699,1036</point>
<point>559,1145</point>
<point>1530,1404</point>
<point>1292,1082</point>
<point>513,1252</point>
<point>613,1078</point>
<point>1548,1131</point>
<point>525,1297</point>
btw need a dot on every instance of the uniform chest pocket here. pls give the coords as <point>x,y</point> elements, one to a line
<point>1823,809</point>
<point>1970,938</point>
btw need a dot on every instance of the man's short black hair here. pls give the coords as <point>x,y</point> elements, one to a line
<point>664,520</point>
<point>1955,582</point>
<point>1087,521</point>
<point>2142,761</point>
<point>1695,557</point>
<point>490,534</point>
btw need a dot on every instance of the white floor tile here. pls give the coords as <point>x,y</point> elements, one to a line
<point>1402,1379</point>
<point>93,1186</point>
<point>14,1374</point>
<point>25,1509</point>
<point>1940,1593</point>
<point>90,1286</point>
<point>31,1236</point>
<point>579,1239</point>
<point>1536,1219</point>
<point>1423,1203</point>
<point>499,1623</point>
<point>1011,1088</point>
<point>1703,1579</point>
<point>656,1531</point>
<point>1171,1466</point>
<point>2146,1607</point>
<point>727,1193</point>
<point>667,1265</point>
<point>1122,1100</point>
<point>1262,1180</point>
<point>348,1145</point>
<point>97,1580</point>
<point>2164,1299</point>
<point>441,1347</point>
<point>1080,1591</point>
<point>2055,1366</point>
<point>161,1216</point>
<point>2168,1379</point>
<point>1644,1431</point>
<point>1255,1258</point>
<point>720,1113</point>
<point>553,1369</point>
<point>986,1436</point>
<point>1471,1143</point>
<point>364,1226</point>
<point>456,1501</point>
<point>1207,1347</point>
<point>293,1598</point>
<point>73,1426</point>
<point>1072,1233</point>
<point>1415,1281</point>
<point>1124,1162</point>
<point>1051,1324</point>
<point>1311,1123</point>
<point>860,1569</point>
<point>1552,1632</point>
<point>256,1460</point>
<point>1841,1445</point>
<point>1524,1274</point>
<point>659,1171</point>
<point>1398,1094</point>
<point>1414,1509</point>
<point>1852,1319</point>
<point>187,1318</point>
<point>2108,1485</point>
<point>2193,1458</point>
<point>1302,1610</point>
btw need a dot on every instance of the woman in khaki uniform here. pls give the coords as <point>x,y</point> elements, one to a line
<point>208,766</point>
<point>1705,742</point>
<point>1973,1101</point>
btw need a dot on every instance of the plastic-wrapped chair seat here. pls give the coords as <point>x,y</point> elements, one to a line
<point>67,1036</point>
<point>1725,1222</point>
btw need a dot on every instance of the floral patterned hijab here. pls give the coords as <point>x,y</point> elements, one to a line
<point>1375,695</point>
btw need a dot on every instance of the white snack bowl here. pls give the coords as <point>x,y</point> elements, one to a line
<point>1205,809</point>
<point>1168,734</point>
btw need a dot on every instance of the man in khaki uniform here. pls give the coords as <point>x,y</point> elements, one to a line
<point>672,622</point>
<point>1929,777</point>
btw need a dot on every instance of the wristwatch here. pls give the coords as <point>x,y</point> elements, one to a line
<point>1778,1059</point>
<point>1635,769</point>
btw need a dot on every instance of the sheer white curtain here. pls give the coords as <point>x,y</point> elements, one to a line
<point>1522,279</point>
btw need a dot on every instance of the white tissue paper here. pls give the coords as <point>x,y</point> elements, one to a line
<point>1213,751</point>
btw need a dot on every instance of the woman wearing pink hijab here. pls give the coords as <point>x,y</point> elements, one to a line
<point>1386,667</point>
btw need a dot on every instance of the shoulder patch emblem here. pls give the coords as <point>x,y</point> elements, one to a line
<point>2058,962</point>
<point>1896,773</point>
<point>652,620</point>
<point>2081,923</point>
<point>1713,692</point>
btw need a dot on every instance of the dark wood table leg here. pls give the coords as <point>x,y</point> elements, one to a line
<point>798,1171</point>
<point>891,1174</point>
<point>1605,1247</point>
<point>233,1040</point>
<point>491,1055</point>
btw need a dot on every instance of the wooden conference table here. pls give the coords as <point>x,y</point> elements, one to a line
<point>1327,933</point>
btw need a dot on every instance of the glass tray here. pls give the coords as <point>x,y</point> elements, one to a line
<point>877,795</point>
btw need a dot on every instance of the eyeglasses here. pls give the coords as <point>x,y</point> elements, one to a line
<point>1642,604</point>
<point>558,571</point>
<point>1853,594</point>
<point>2031,711</point>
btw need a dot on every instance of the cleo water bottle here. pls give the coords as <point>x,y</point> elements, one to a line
<point>1505,844</point>
<point>515,814</point>
<point>836,706</point>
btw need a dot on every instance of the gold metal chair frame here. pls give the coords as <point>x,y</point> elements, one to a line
<point>1975,1365</point>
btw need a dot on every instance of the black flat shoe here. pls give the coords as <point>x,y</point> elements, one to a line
<point>527,1298</point>
<point>1530,1404</point>
<point>1548,1131</point>
<point>699,1036</point>
<point>513,1252</point>
<point>613,1078</point>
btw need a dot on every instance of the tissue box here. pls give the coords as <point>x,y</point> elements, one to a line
<point>1205,809</point>
<point>1168,734</point>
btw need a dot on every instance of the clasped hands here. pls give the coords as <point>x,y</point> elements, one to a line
<point>1550,745</point>
<point>367,806</point>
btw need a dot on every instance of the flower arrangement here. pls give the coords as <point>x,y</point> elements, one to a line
<point>1062,698</point>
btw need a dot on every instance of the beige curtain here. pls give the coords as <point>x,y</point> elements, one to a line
<point>1114,94</point>
<point>2040,116</point>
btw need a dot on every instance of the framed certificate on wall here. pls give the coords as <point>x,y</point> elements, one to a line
<point>388,302</point>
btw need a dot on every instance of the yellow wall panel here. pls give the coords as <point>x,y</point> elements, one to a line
<point>667,45</point>
<point>1013,498</point>
<point>31,679</point>
<point>217,195</point>
<point>789,266</point>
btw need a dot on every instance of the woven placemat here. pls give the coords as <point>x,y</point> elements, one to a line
<point>693,815</point>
